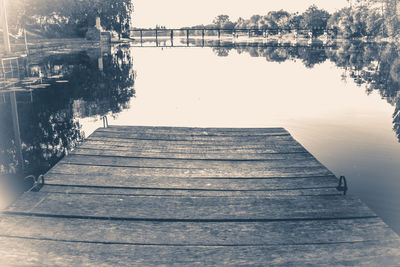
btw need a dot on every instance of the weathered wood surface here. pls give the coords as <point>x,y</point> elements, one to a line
<point>140,196</point>
<point>201,183</point>
<point>182,171</point>
<point>36,252</point>
<point>217,208</point>
<point>206,233</point>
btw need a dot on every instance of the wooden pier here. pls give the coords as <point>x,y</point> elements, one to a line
<point>143,196</point>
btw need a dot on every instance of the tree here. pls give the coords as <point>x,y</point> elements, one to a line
<point>314,18</point>
<point>71,17</point>
<point>295,21</point>
<point>373,23</point>
<point>220,20</point>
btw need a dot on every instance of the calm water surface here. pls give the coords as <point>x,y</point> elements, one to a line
<point>341,104</point>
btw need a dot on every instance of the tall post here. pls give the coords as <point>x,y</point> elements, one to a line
<point>98,23</point>
<point>219,33</point>
<point>4,68</point>
<point>141,36</point>
<point>100,63</point>
<point>100,59</point>
<point>17,133</point>
<point>156,37</point>
<point>249,33</point>
<point>187,37</point>
<point>3,21</point>
<point>203,33</point>
<point>98,27</point>
<point>26,43</point>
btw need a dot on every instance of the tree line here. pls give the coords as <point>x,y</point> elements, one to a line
<point>69,18</point>
<point>363,18</point>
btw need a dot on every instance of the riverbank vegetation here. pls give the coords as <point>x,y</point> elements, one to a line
<point>69,18</point>
<point>362,19</point>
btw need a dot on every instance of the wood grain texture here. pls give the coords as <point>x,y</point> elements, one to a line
<point>216,183</point>
<point>207,192</point>
<point>157,153</point>
<point>27,252</point>
<point>192,130</point>
<point>150,196</point>
<point>181,171</point>
<point>189,234</point>
<point>192,208</point>
<point>188,163</point>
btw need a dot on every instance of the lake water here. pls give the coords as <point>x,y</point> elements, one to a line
<point>341,103</point>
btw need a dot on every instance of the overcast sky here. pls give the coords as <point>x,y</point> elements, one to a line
<point>177,13</point>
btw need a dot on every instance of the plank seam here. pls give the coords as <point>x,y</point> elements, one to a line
<point>127,166</point>
<point>190,244</point>
<point>114,218</point>
<point>178,168</point>
<point>215,178</point>
<point>193,128</point>
<point>259,135</point>
<point>180,140</point>
<point>192,153</point>
<point>174,196</point>
<point>184,159</point>
<point>189,189</point>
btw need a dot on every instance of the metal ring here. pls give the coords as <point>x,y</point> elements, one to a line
<point>342,187</point>
<point>38,182</point>
<point>105,122</point>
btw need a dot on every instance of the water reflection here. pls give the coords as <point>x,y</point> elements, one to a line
<point>40,111</point>
<point>375,66</point>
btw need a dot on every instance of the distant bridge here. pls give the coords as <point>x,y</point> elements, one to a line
<point>161,35</point>
<point>170,32</point>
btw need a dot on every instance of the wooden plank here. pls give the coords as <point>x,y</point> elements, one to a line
<point>214,145</point>
<point>191,147</point>
<point>189,164</point>
<point>188,192</point>
<point>218,140</point>
<point>189,129</point>
<point>210,233</point>
<point>160,171</point>
<point>192,134</point>
<point>193,130</point>
<point>190,137</point>
<point>163,182</point>
<point>25,252</point>
<point>156,153</point>
<point>191,208</point>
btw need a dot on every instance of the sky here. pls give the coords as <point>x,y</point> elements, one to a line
<point>179,13</point>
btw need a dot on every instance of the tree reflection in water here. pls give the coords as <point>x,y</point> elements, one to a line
<point>49,125</point>
<point>373,65</point>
